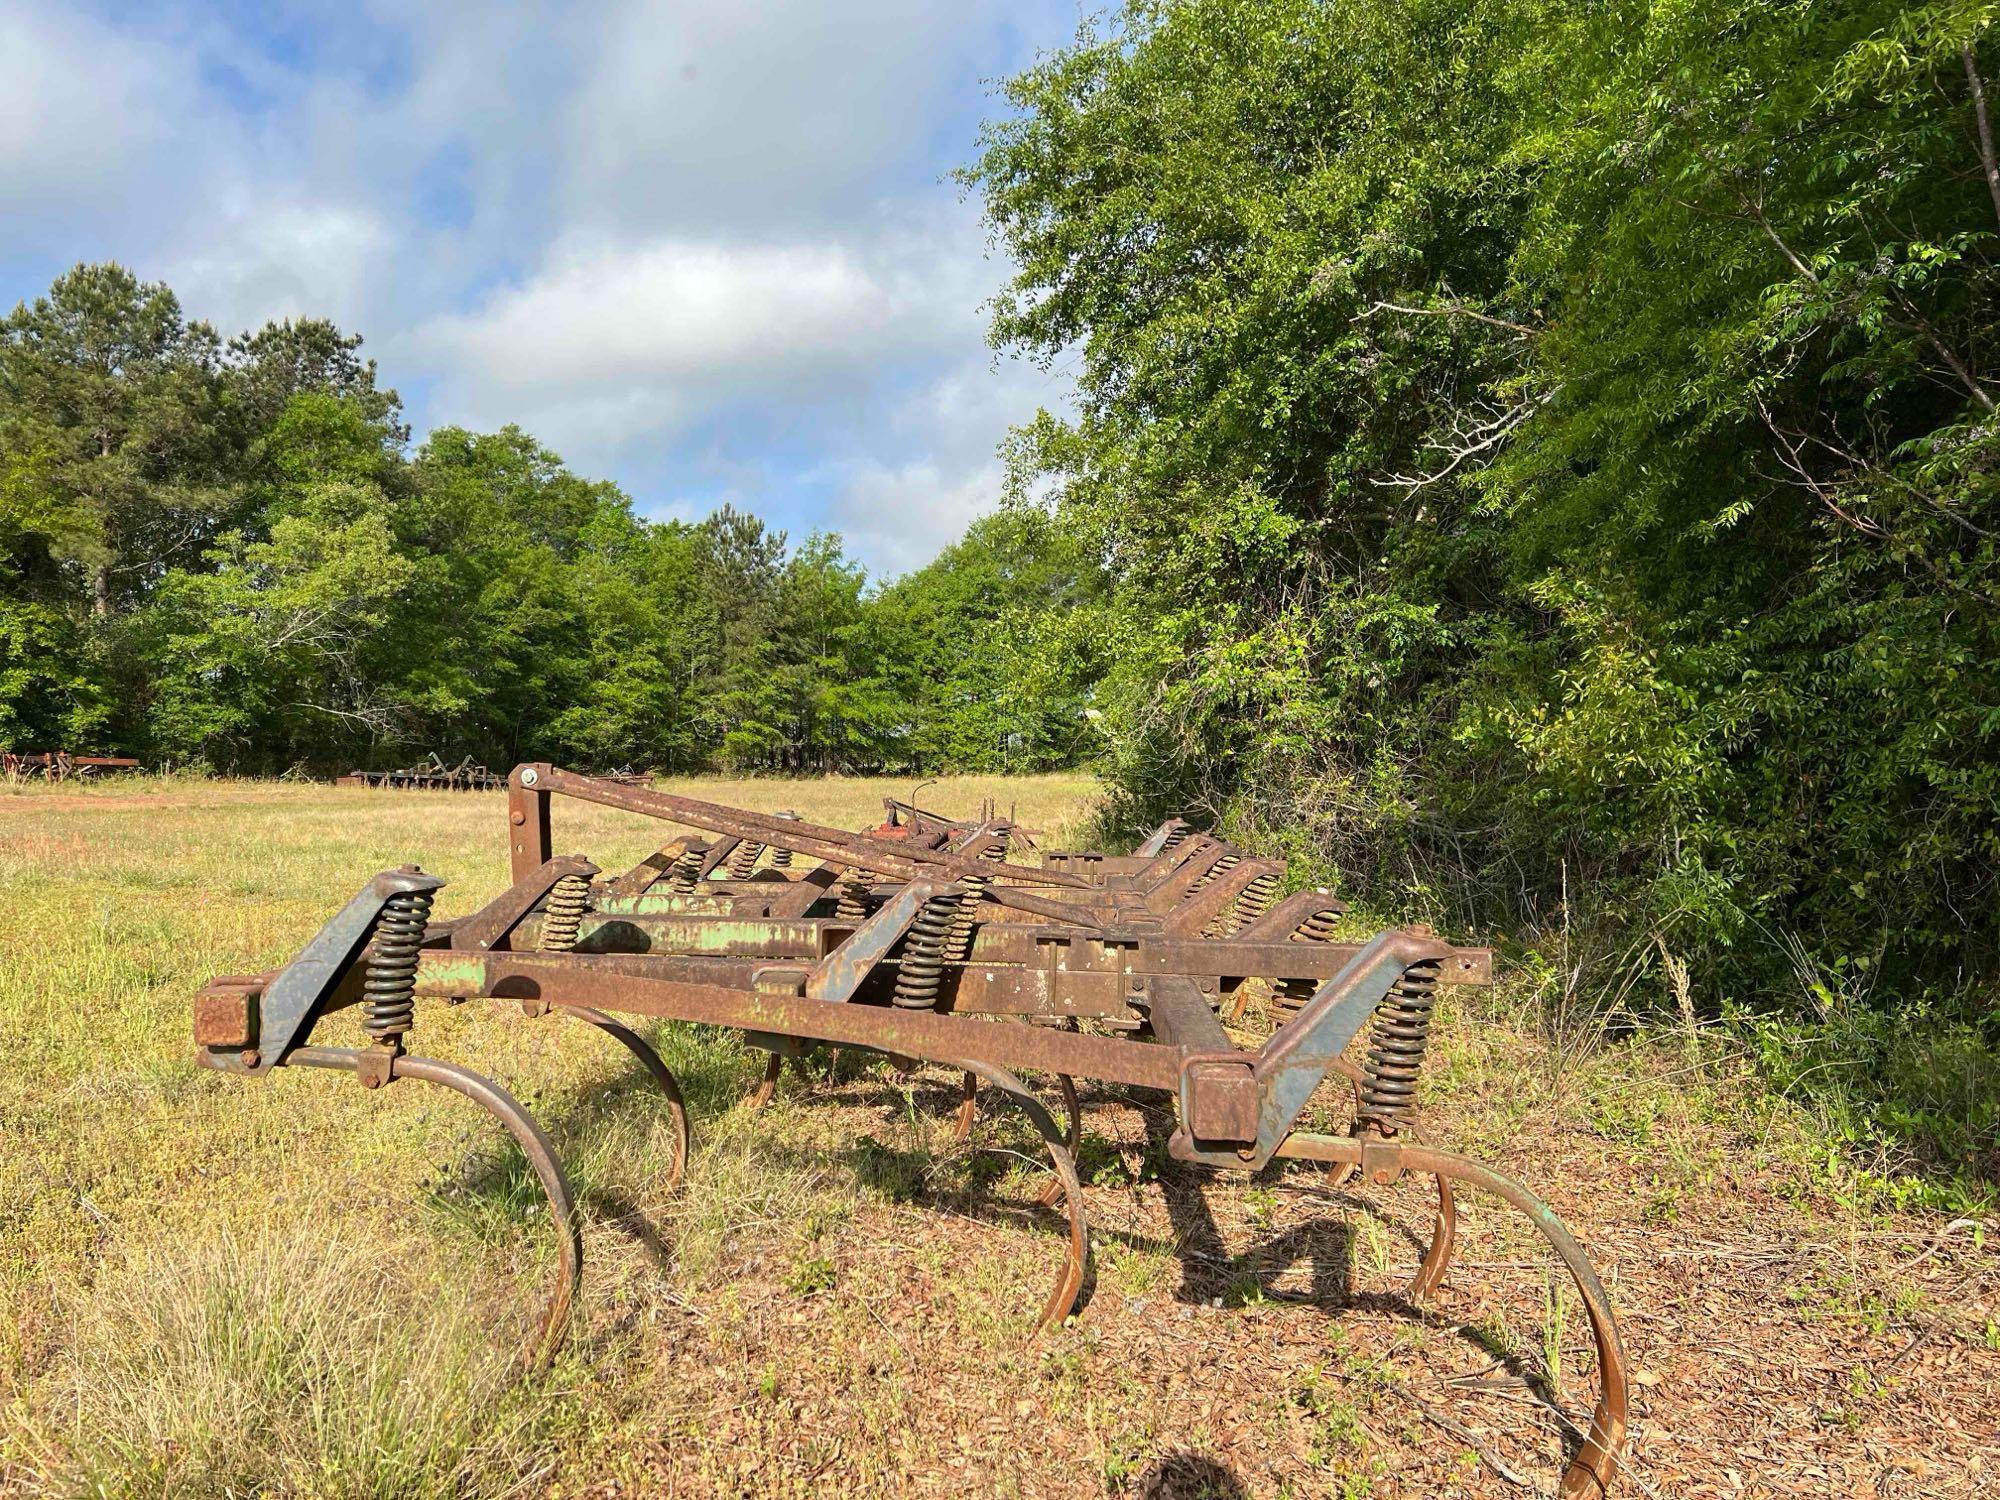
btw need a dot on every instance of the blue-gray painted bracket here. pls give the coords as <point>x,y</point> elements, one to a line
<point>292,999</point>
<point>839,974</point>
<point>1246,1103</point>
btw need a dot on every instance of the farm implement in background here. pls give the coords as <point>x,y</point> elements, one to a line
<point>925,943</point>
<point>60,765</point>
<point>430,775</point>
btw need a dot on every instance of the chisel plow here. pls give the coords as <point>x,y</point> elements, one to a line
<point>925,944</point>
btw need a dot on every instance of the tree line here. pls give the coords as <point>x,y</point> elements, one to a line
<point>228,553</point>
<point>1548,453</point>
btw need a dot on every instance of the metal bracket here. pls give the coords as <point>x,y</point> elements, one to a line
<point>493,923</point>
<point>839,974</point>
<point>292,999</point>
<point>1214,1095</point>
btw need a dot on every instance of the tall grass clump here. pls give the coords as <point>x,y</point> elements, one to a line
<point>241,1363</point>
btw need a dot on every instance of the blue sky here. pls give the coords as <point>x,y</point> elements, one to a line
<point>707,251</point>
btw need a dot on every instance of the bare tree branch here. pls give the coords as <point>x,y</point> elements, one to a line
<point>1790,455</point>
<point>1471,442</point>
<point>1754,207</point>
<point>1455,309</point>
<point>1986,154</point>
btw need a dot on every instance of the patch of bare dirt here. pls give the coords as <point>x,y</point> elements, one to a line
<point>1247,1338</point>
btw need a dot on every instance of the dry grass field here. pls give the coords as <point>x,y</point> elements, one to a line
<point>210,1286</point>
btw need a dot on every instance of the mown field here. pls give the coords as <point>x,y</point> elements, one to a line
<point>215,1287</point>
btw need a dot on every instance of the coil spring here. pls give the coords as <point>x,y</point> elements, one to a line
<point>853,896</point>
<point>958,942</point>
<point>919,976</point>
<point>1290,994</point>
<point>389,987</point>
<point>568,900</point>
<point>1317,928</point>
<point>1175,839</point>
<point>1396,1044</point>
<point>1254,901</point>
<point>781,859</point>
<point>1221,867</point>
<point>1003,840</point>
<point>686,873</point>
<point>743,859</point>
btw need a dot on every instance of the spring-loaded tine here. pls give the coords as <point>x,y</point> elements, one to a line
<point>1437,1256</point>
<point>642,1049</point>
<point>767,1087</point>
<point>1076,1260</point>
<point>1052,1195</point>
<point>542,1345</point>
<point>1594,1464</point>
<point>968,1106</point>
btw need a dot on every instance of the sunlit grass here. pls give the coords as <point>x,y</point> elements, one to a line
<point>212,1287</point>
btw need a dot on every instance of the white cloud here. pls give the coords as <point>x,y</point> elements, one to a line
<point>665,313</point>
<point>761,112</point>
<point>84,112</point>
<point>898,512</point>
<point>700,250</point>
<point>609,345</point>
<point>898,517</point>
<point>284,260</point>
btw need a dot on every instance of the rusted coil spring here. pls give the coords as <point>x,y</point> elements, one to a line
<point>921,972</point>
<point>853,904</point>
<point>1396,1043</point>
<point>389,988</point>
<point>781,858</point>
<point>1290,994</point>
<point>1254,901</point>
<point>1221,867</point>
<point>964,918</point>
<point>1251,903</point>
<point>1174,840</point>
<point>743,859</point>
<point>685,876</point>
<point>567,903</point>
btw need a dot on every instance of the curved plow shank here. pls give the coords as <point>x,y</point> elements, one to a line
<point>642,1049</point>
<point>1062,1300</point>
<point>1595,1463</point>
<point>968,1106</point>
<point>541,1345</point>
<point>1437,1255</point>
<point>1052,1195</point>
<point>968,1109</point>
<point>767,1087</point>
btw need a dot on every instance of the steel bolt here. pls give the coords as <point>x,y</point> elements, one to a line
<point>250,1057</point>
<point>530,776</point>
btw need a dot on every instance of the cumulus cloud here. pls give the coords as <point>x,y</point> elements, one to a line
<point>283,260</point>
<point>898,512</point>
<point>682,322</point>
<point>764,112</point>
<point>612,347</point>
<point>86,113</point>
<point>704,251</point>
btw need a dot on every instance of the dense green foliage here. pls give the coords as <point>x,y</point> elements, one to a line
<point>1547,450</point>
<point>225,553</point>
